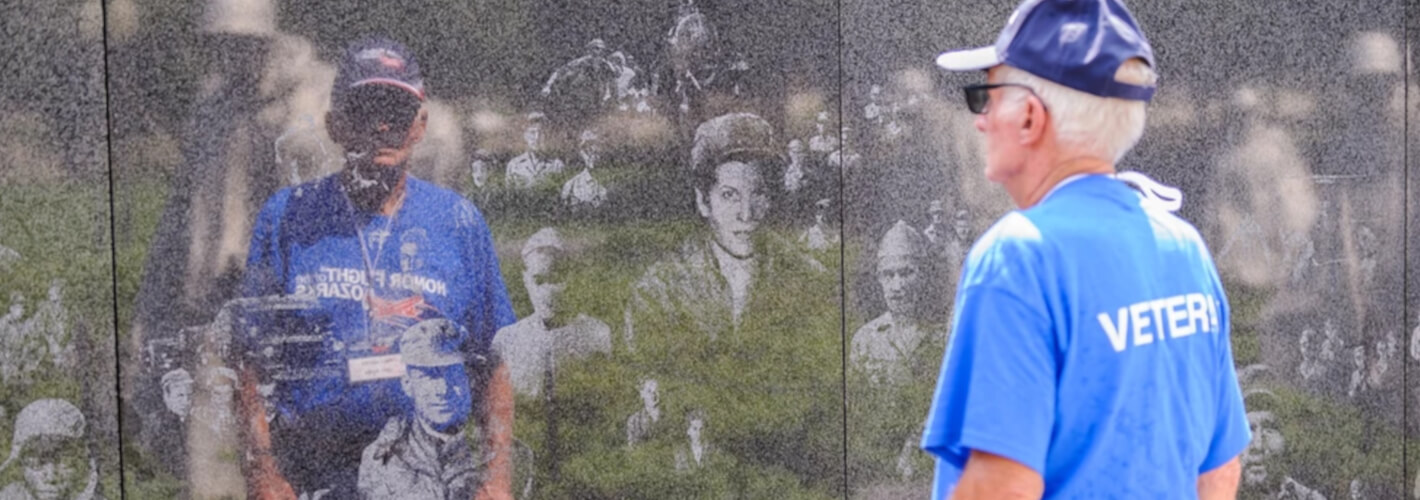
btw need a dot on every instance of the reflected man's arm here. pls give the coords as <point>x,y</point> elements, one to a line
<point>499,439</point>
<point>264,480</point>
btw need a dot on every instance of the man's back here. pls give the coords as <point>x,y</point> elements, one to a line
<point>1091,345</point>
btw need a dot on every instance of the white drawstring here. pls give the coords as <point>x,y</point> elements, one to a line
<point>1155,194</point>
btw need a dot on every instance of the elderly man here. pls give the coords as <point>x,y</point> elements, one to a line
<point>530,168</point>
<point>375,251</point>
<point>886,346</point>
<point>55,462</point>
<point>424,453</point>
<point>534,346</point>
<point>1090,351</point>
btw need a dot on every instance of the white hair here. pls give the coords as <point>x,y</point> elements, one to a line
<point>1105,127</point>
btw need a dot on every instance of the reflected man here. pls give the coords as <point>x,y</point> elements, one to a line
<point>375,251</point>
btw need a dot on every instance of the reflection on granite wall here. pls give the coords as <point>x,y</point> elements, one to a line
<point>695,249</point>
<point>58,407</point>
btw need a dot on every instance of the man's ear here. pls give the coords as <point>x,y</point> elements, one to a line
<point>335,127</point>
<point>701,204</point>
<point>416,129</point>
<point>1033,121</point>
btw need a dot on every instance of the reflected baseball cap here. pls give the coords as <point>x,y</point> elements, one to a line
<point>378,61</point>
<point>1076,43</point>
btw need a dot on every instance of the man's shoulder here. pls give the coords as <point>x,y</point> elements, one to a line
<point>441,203</point>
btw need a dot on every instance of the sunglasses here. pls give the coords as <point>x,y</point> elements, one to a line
<point>978,96</point>
<point>372,107</point>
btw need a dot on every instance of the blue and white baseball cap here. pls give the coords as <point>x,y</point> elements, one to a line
<point>1076,43</point>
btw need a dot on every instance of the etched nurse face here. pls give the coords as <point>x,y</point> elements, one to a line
<point>735,206</point>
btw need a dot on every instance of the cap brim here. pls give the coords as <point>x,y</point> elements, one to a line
<point>969,59</point>
<point>418,92</point>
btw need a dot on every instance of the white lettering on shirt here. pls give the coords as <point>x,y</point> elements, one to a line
<point>1166,318</point>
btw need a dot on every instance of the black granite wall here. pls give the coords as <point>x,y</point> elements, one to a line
<point>142,137</point>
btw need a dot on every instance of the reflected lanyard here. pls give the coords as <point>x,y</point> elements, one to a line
<point>369,305</point>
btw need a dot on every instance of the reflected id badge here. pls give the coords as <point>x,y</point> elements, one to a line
<point>376,368</point>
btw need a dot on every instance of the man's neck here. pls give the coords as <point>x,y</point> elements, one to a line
<point>1032,193</point>
<point>396,198</point>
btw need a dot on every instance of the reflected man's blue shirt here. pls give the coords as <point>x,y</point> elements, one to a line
<point>433,259</point>
<point>1090,343</point>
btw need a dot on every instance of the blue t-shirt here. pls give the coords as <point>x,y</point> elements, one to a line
<point>433,259</point>
<point>1090,343</point>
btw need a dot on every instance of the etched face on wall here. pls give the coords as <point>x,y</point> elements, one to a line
<point>440,394</point>
<point>650,394</point>
<point>544,281</point>
<point>532,136</point>
<point>55,467</point>
<point>735,206</point>
<point>900,279</point>
<point>177,391</point>
<point>1267,443</point>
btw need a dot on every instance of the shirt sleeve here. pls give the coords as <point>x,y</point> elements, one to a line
<point>492,310</point>
<point>265,262</point>
<point>1232,434</point>
<point>997,388</point>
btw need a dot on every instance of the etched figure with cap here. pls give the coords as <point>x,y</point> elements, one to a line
<point>424,453</point>
<point>1050,297</point>
<point>825,138</point>
<point>533,347</point>
<point>530,168</point>
<point>583,190</point>
<point>481,168</point>
<point>820,236</point>
<point>54,460</point>
<point>885,346</point>
<point>372,251</point>
<point>641,424</point>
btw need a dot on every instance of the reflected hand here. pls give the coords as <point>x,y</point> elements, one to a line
<point>273,487</point>
<point>490,492</point>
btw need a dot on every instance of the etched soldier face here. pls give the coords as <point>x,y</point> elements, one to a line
<point>533,137</point>
<point>590,149</point>
<point>1266,444</point>
<point>440,394</point>
<point>649,394</point>
<point>177,392</point>
<point>961,225</point>
<point>697,425</point>
<point>543,279</point>
<point>735,206</point>
<point>54,467</point>
<point>900,278</point>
